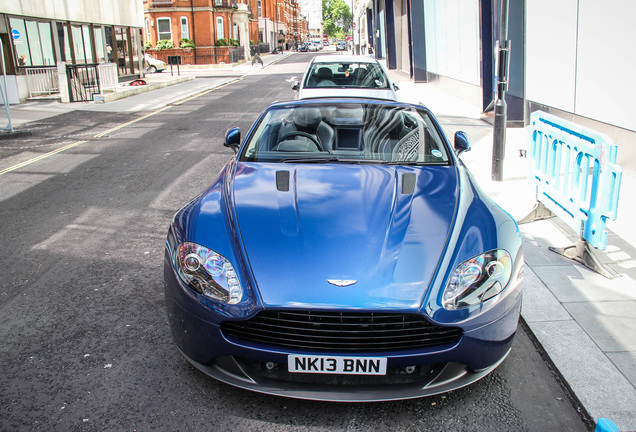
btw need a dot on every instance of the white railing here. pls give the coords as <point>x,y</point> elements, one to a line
<point>108,78</point>
<point>42,80</point>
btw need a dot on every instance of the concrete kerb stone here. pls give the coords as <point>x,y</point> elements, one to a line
<point>127,91</point>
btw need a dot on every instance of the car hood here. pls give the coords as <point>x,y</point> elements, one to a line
<point>360,226</point>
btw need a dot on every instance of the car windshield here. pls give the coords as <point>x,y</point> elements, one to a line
<point>346,74</point>
<point>347,133</point>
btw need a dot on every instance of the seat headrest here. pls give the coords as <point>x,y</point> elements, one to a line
<point>307,118</point>
<point>325,73</point>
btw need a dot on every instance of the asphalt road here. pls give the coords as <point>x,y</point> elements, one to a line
<point>85,340</point>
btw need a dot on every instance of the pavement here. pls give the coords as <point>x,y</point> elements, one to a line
<point>585,322</point>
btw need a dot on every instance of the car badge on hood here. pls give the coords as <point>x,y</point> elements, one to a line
<point>341,282</point>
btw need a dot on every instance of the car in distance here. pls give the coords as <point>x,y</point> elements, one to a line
<point>345,75</point>
<point>344,254</point>
<point>153,65</point>
<point>341,46</point>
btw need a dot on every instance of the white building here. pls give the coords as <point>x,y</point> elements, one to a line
<point>39,34</point>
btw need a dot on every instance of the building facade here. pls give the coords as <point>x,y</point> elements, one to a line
<point>206,23</point>
<point>570,58</point>
<point>41,34</point>
<point>210,23</point>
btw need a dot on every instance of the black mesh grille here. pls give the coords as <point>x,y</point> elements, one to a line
<point>341,331</point>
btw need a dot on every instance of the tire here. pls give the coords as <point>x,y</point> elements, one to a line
<point>152,69</point>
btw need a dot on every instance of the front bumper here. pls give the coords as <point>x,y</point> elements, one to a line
<point>435,380</point>
<point>244,364</point>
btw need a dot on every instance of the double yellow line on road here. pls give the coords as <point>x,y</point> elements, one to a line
<point>109,131</point>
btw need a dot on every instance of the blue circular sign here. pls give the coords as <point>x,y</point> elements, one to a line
<point>15,33</point>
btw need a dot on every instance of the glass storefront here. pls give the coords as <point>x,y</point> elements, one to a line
<point>41,43</point>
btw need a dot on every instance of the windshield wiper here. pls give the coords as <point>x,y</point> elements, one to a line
<point>406,163</point>
<point>315,160</point>
<point>335,159</point>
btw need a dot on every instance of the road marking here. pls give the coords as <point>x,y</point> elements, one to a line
<point>103,134</point>
<point>43,156</point>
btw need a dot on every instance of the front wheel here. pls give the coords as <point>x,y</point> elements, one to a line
<point>152,69</point>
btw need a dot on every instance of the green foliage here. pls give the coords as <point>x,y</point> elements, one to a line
<point>222,42</point>
<point>186,43</point>
<point>165,44</point>
<point>337,18</point>
<point>234,42</point>
<point>147,45</point>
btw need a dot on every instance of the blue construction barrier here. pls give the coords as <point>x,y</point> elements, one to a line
<point>576,175</point>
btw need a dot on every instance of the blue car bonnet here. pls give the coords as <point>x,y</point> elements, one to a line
<point>377,230</point>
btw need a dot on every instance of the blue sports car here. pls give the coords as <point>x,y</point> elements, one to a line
<point>344,253</point>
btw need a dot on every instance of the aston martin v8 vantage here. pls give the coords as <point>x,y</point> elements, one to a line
<point>344,253</point>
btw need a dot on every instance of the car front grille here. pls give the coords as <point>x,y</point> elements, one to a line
<point>341,331</point>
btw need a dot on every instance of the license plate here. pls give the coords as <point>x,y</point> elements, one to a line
<point>336,365</point>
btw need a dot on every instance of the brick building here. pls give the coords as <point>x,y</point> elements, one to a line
<point>206,22</point>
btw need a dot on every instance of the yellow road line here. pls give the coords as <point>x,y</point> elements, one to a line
<point>43,156</point>
<point>102,134</point>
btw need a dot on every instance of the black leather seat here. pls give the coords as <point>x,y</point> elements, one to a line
<point>325,77</point>
<point>309,120</point>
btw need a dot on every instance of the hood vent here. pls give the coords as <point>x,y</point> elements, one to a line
<point>282,181</point>
<point>408,183</point>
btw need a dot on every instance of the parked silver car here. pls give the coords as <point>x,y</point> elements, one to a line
<point>345,75</point>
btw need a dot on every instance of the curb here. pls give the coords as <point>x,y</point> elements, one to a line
<point>131,91</point>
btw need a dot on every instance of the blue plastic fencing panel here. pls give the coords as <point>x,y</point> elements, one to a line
<point>576,174</point>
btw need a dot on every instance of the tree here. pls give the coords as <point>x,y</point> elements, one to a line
<point>337,18</point>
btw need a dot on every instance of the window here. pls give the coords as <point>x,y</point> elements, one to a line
<point>148,39</point>
<point>34,47</point>
<point>185,32</point>
<point>98,33</point>
<point>123,50</point>
<point>164,28</point>
<point>78,45</point>
<point>260,8</point>
<point>65,42</point>
<point>108,36</point>
<point>219,28</point>
<point>88,46</point>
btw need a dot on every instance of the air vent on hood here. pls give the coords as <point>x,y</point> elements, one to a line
<point>282,181</point>
<point>408,183</point>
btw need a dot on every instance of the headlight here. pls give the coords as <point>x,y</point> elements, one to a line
<point>208,273</point>
<point>478,279</point>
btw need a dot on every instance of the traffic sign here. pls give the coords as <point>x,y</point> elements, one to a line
<point>16,34</point>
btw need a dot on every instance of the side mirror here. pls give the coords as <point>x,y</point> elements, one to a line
<point>396,87</point>
<point>462,143</point>
<point>233,139</point>
<point>295,85</point>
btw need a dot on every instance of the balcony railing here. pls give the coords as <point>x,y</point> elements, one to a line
<point>160,3</point>
<point>226,4</point>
